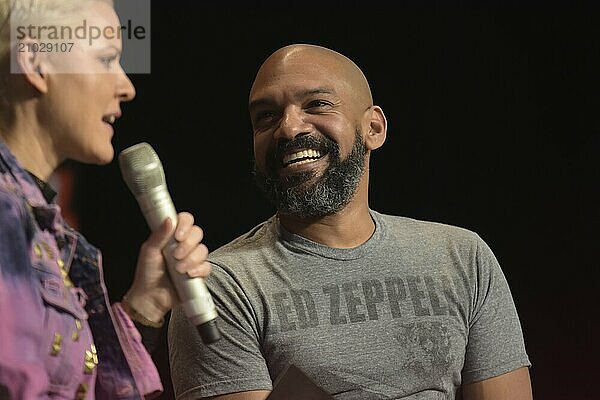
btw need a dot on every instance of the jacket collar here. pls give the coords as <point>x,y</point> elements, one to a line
<point>14,177</point>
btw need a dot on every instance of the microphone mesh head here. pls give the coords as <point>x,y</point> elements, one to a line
<point>141,168</point>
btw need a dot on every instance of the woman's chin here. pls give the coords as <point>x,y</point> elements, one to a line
<point>103,157</point>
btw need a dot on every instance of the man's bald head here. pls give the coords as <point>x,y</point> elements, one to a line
<point>314,126</point>
<point>304,58</point>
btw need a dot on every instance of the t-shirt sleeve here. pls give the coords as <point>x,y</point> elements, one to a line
<point>232,364</point>
<point>495,343</point>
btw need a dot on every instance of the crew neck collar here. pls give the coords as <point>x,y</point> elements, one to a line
<point>297,242</point>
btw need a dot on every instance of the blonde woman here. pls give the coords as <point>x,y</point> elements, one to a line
<point>59,336</point>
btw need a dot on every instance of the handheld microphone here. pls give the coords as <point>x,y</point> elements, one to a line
<point>143,173</point>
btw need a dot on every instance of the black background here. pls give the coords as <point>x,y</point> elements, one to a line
<point>493,126</point>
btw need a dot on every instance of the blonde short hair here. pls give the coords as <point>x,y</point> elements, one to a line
<point>40,12</point>
<point>26,12</point>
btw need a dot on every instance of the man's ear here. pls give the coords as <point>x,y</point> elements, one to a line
<point>32,63</point>
<point>377,129</point>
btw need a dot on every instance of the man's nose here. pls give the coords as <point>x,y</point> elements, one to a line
<point>292,124</point>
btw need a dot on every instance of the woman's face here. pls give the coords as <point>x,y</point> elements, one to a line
<point>84,91</point>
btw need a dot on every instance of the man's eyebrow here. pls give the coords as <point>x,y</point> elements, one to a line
<point>319,90</point>
<point>260,102</point>
<point>305,93</point>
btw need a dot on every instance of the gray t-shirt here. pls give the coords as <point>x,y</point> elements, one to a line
<point>412,313</point>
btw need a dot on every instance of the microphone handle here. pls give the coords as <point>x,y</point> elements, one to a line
<point>197,303</point>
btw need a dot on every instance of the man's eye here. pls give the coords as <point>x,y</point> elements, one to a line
<point>264,115</point>
<point>318,104</point>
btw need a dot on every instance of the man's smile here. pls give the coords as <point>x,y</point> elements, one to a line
<point>301,157</point>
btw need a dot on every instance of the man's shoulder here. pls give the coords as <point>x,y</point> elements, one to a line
<point>425,230</point>
<point>256,239</point>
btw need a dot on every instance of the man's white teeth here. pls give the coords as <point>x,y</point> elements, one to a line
<point>303,157</point>
<point>110,119</point>
<point>303,161</point>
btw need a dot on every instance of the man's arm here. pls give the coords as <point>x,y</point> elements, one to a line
<point>235,365</point>
<point>514,385</point>
<point>495,343</point>
<point>250,395</point>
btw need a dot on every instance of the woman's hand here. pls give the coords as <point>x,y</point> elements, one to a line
<point>152,294</point>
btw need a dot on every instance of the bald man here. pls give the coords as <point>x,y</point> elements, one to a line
<point>369,306</point>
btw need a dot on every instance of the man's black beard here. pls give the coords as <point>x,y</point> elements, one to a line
<point>292,195</point>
